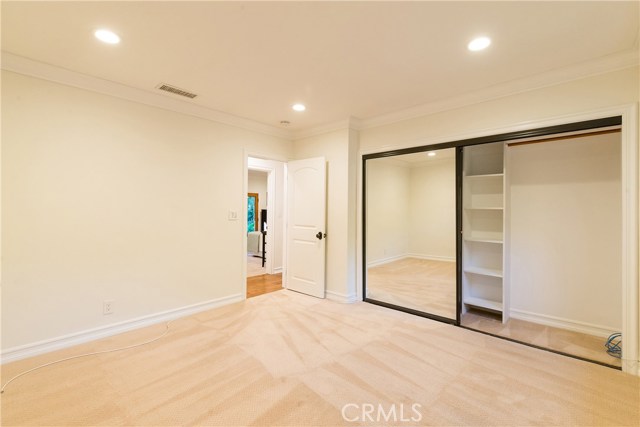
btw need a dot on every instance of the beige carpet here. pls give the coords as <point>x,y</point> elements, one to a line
<point>288,359</point>
<point>575,343</point>
<point>420,284</point>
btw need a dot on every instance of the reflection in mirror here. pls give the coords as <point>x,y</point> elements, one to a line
<point>411,231</point>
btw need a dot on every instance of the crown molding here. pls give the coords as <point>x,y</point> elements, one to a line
<point>609,63</point>
<point>602,65</point>
<point>29,67</point>
<point>350,123</point>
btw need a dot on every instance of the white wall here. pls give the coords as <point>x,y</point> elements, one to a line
<point>107,199</point>
<point>605,90</point>
<point>565,233</point>
<point>353,162</point>
<point>388,201</point>
<point>275,237</point>
<point>411,209</point>
<point>432,210</point>
<point>340,149</point>
<point>257,183</point>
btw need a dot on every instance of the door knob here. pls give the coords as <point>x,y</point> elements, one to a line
<point>320,235</point>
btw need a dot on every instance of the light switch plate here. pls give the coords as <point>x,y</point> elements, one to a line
<point>233,215</point>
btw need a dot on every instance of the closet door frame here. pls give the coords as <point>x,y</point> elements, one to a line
<point>458,166</point>
<point>626,117</point>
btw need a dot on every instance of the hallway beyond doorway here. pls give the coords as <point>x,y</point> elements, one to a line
<point>263,284</point>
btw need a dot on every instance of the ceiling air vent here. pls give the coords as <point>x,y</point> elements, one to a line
<point>175,90</point>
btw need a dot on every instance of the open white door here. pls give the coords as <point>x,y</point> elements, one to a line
<point>306,212</point>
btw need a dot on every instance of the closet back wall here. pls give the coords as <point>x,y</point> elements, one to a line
<point>565,232</point>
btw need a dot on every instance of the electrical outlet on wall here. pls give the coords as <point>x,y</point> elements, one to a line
<point>108,307</point>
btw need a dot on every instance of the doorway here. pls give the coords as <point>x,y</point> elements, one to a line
<point>257,219</point>
<point>264,226</point>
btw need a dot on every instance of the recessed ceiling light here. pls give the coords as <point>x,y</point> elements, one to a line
<point>479,43</point>
<point>431,153</point>
<point>298,107</point>
<point>107,36</point>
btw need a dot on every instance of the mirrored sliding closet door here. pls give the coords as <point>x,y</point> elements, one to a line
<point>410,215</point>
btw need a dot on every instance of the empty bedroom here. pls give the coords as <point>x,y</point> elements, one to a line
<point>230,213</point>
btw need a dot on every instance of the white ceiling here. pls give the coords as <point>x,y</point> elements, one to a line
<point>342,59</point>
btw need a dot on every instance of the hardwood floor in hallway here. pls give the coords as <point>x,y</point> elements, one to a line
<point>263,284</point>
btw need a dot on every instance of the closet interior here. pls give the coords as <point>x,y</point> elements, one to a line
<point>529,230</point>
<point>483,229</point>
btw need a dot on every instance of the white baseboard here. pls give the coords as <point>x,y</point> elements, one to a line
<point>342,298</point>
<point>559,322</point>
<point>277,270</point>
<point>403,256</point>
<point>386,260</point>
<point>46,346</point>
<point>432,257</point>
<point>631,366</point>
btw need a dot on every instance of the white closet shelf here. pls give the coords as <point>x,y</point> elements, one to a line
<point>483,218</point>
<point>483,271</point>
<point>486,176</point>
<point>482,240</point>
<point>483,303</point>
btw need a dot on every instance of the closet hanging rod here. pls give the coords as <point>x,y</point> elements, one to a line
<point>558,138</point>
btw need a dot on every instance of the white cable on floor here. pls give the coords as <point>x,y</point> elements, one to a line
<point>87,354</point>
